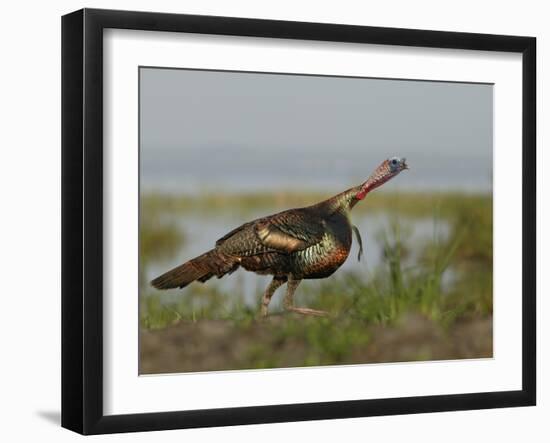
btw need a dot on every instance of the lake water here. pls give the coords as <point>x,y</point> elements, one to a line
<point>239,170</point>
<point>201,233</point>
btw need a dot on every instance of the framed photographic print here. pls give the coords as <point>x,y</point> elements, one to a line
<point>269,221</point>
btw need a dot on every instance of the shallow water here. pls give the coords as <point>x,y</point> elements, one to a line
<point>202,231</point>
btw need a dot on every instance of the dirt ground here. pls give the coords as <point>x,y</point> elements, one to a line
<point>210,345</point>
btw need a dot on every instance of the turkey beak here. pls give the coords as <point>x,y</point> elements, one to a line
<point>404,164</point>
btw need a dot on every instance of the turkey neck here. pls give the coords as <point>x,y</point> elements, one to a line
<point>343,202</point>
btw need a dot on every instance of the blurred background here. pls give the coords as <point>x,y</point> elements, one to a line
<point>218,149</point>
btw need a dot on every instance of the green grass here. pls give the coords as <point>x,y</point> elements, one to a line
<point>411,204</point>
<point>359,302</point>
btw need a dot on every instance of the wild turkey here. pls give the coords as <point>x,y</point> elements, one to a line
<point>303,243</point>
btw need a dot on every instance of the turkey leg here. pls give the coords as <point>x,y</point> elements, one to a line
<point>288,301</point>
<point>270,290</point>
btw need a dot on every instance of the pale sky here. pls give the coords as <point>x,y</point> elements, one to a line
<point>240,131</point>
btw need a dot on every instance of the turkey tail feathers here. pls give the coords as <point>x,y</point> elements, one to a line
<point>201,268</point>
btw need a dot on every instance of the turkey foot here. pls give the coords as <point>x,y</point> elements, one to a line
<point>288,301</point>
<point>307,311</point>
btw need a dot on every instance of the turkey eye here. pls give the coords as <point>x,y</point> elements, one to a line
<point>394,162</point>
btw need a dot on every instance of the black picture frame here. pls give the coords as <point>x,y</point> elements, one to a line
<point>82,220</point>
